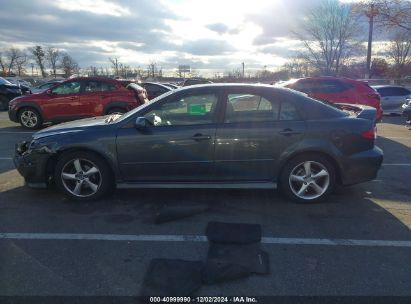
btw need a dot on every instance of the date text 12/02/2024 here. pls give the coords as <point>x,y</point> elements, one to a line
<point>203,300</point>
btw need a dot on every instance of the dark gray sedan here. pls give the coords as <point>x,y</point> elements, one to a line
<point>209,136</point>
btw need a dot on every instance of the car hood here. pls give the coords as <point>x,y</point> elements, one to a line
<point>72,127</point>
<point>11,86</point>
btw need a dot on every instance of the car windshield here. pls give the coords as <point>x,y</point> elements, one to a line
<point>4,81</point>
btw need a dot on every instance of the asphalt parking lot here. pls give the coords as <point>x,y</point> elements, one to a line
<point>358,242</point>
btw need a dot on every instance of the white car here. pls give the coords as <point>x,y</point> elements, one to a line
<point>393,97</point>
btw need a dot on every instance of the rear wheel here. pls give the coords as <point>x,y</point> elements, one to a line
<point>29,118</point>
<point>308,178</point>
<point>83,176</point>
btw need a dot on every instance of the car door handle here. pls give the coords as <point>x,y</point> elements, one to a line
<point>200,137</point>
<point>73,97</point>
<point>289,132</point>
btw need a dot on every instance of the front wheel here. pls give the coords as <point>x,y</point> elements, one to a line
<point>29,118</point>
<point>308,178</point>
<point>83,176</point>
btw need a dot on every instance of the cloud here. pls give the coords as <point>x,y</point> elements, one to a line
<point>99,7</point>
<point>219,28</point>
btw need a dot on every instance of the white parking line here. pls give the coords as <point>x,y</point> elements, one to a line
<point>6,158</point>
<point>16,132</point>
<point>199,238</point>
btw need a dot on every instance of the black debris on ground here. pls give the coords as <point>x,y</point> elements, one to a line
<point>234,252</point>
<point>167,277</point>
<point>172,212</point>
<point>230,233</point>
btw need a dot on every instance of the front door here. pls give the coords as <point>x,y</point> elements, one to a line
<point>178,146</point>
<point>257,129</point>
<point>63,102</point>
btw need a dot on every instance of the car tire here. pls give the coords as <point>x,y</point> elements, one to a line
<point>308,178</point>
<point>116,110</point>
<point>30,118</point>
<point>4,103</point>
<point>83,176</point>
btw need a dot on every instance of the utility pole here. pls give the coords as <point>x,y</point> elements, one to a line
<point>32,67</point>
<point>371,13</point>
<point>243,69</point>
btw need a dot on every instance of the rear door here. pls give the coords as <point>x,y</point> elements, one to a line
<point>94,96</point>
<point>256,129</point>
<point>63,103</point>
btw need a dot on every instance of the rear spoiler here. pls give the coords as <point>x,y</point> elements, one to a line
<point>362,111</point>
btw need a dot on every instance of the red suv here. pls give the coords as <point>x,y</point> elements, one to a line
<point>74,99</point>
<point>338,90</point>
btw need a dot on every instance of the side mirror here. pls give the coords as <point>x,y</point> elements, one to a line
<point>141,123</point>
<point>49,92</point>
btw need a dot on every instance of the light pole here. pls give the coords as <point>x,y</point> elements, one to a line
<point>371,13</point>
<point>242,63</point>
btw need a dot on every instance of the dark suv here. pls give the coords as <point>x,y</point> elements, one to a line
<point>74,99</point>
<point>8,91</point>
<point>209,136</point>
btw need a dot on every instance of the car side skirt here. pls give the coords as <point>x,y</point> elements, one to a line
<point>243,185</point>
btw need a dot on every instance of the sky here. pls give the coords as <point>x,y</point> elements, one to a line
<point>209,35</point>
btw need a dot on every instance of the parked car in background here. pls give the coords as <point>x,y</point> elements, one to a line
<point>75,98</point>
<point>171,85</point>
<point>24,85</point>
<point>155,89</point>
<point>392,97</point>
<point>198,137</point>
<point>45,86</point>
<point>338,90</point>
<point>194,81</point>
<point>8,91</point>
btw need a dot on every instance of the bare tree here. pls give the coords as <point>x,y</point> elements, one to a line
<point>39,57</point>
<point>21,62</point>
<point>115,64</point>
<point>394,13</point>
<point>329,35</point>
<point>69,65</point>
<point>152,69</point>
<point>399,50</point>
<point>52,56</point>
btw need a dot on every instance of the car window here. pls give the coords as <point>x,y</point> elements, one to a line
<point>155,89</point>
<point>98,86</point>
<point>288,111</point>
<point>72,87</point>
<point>187,110</point>
<point>327,86</point>
<point>250,107</point>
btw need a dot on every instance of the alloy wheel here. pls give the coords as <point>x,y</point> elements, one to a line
<point>309,180</point>
<point>81,177</point>
<point>29,119</point>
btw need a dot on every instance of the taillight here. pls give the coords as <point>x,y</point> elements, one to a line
<point>374,95</point>
<point>370,134</point>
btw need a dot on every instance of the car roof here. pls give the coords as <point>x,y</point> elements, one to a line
<point>233,85</point>
<point>388,86</point>
<point>93,78</point>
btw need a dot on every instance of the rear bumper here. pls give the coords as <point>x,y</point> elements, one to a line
<point>362,167</point>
